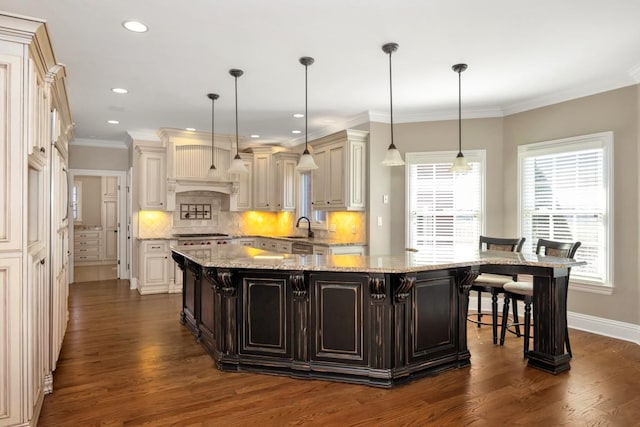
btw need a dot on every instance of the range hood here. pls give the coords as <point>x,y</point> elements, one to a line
<point>183,185</point>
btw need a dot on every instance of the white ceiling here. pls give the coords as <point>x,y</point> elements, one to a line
<point>521,55</point>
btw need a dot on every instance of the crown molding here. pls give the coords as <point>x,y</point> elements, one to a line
<point>99,143</point>
<point>569,94</point>
<point>144,135</point>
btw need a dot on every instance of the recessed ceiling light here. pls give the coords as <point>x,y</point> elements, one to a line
<point>113,122</point>
<point>190,129</point>
<point>255,136</point>
<point>298,115</point>
<point>296,131</point>
<point>119,90</point>
<point>135,26</point>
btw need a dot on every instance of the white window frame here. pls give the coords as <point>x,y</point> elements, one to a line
<point>446,157</point>
<point>319,219</point>
<point>76,202</point>
<point>602,140</point>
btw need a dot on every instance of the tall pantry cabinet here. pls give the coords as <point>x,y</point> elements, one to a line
<point>35,127</point>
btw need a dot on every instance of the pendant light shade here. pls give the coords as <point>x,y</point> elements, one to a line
<point>460,163</point>
<point>212,170</point>
<point>393,156</point>
<point>237,165</point>
<point>306,162</point>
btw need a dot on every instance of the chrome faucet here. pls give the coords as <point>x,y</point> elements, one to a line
<point>309,232</point>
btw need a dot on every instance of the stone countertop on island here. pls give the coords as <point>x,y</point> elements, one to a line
<point>241,257</point>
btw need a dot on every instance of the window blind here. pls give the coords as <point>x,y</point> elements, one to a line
<point>445,209</point>
<point>564,193</point>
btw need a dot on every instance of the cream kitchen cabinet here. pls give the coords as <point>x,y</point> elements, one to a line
<point>338,250</point>
<point>87,246</point>
<point>244,196</point>
<point>339,183</point>
<point>284,181</point>
<point>155,262</point>
<point>262,176</point>
<point>34,115</point>
<point>152,177</point>
<point>274,180</point>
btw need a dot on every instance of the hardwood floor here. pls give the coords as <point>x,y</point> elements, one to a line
<point>126,360</point>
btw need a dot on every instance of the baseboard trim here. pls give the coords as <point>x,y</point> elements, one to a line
<point>133,283</point>
<point>582,322</point>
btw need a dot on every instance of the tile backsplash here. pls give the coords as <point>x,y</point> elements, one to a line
<point>342,226</point>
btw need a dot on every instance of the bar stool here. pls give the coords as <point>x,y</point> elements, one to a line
<point>523,291</point>
<point>493,283</point>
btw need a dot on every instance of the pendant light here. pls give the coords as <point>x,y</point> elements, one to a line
<point>237,165</point>
<point>393,157</point>
<point>460,163</point>
<point>306,162</point>
<point>212,169</point>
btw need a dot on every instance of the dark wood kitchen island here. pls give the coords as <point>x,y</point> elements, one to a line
<point>371,320</point>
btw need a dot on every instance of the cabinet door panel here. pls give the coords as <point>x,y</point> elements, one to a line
<point>11,183</point>
<point>433,325</point>
<point>261,187</point>
<point>338,318</point>
<point>110,222</point>
<point>336,176</point>
<point>265,316</point>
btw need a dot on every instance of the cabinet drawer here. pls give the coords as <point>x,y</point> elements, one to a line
<point>155,247</point>
<point>88,250</point>
<point>86,243</point>
<point>79,257</point>
<point>83,235</point>
<point>285,248</point>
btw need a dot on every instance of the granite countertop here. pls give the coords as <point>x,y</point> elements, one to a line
<point>313,240</point>
<point>244,257</point>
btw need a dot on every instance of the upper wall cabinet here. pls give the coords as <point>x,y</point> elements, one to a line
<point>339,183</point>
<point>274,179</point>
<point>152,177</point>
<point>284,181</point>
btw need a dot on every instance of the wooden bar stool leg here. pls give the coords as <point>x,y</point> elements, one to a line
<point>479,308</point>
<point>494,314</point>
<point>505,315</point>
<point>516,318</point>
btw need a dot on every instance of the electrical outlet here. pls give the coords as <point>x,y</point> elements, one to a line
<point>385,199</point>
<point>332,227</point>
<point>379,221</point>
<point>354,230</point>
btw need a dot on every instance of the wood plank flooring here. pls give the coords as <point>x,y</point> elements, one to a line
<point>126,360</point>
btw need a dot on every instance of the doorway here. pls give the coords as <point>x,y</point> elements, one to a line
<point>98,213</point>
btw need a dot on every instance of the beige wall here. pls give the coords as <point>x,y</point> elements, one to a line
<point>429,136</point>
<point>98,158</point>
<point>615,111</point>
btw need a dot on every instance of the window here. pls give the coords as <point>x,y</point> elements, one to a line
<point>445,210</point>
<point>318,218</point>
<point>564,194</point>
<point>76,201</point>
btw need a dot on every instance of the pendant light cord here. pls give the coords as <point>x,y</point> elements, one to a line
<point>306,134</point>
<point>391,101</point>
<point>236,87</point>
<point>459,112</point>
<point>213,121</point>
